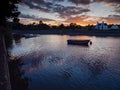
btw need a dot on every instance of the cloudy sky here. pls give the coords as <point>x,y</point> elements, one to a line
<point>82,12</point>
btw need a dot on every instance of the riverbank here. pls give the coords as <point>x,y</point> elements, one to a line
<point>70,32</point>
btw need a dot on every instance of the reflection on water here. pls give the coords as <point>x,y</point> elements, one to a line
<point>51,64</point>
<point>17,81</point>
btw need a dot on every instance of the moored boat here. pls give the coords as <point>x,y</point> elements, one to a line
<point>79,42</point>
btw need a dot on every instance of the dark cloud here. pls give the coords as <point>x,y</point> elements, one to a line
<point>117,10</point>
<point>38,4</point>
<point>110,19</point>
<point>114,3</point>
<point>113,17</point>
<point>108,1</point>
<point>35,18</point>
<point>50,6</point>
<point>116,7</point>
<point>85,2</point>
<point>67,12</point>
<point>26,16</point>
<point>70,10</point>
<point>58,0</point>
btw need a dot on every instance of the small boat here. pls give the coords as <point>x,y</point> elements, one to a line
<point>29,36</point>
<point>79,42</point>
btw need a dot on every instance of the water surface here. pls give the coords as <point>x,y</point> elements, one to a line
<point>51,64</point>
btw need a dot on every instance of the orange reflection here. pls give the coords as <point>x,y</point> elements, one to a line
<point>82,37</point>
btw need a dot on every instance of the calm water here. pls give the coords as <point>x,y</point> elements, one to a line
<point>51,64</point>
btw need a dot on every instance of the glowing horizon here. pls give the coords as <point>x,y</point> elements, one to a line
<point>55,12</point>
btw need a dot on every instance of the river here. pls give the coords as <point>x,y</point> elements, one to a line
<point>51,64</point>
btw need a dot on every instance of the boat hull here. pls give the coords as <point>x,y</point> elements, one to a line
<point>79,42</point>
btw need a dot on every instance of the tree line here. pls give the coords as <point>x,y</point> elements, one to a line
<point>43,26</point>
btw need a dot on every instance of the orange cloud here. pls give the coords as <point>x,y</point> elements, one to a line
<point>85,20</point>
<point>80,20</point>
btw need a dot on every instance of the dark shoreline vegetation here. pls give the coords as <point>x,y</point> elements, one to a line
<point>70,32</point>
<point>62,27</point>
<point>71,29</point>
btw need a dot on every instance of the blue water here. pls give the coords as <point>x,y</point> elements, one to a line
<point>51,64</point>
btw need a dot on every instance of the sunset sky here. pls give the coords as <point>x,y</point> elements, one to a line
<point>82,12</point>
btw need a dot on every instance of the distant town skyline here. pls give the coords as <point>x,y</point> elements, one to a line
<point>81,12</point>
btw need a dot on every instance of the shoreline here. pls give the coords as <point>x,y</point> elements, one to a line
<point>72,33</point>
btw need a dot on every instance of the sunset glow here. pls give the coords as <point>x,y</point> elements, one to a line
<point>82,12</point>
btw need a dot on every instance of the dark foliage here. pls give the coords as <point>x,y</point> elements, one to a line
<point>9,10</point>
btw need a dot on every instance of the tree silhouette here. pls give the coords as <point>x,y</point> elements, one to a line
<point>72,26</point>
<point>9,9</point>
<point>43,26</point>
<point>61,26</point>
<point>40,22</point>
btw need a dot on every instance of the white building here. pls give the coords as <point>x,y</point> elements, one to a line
<point>101,26</point>
<point>114,27</point>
